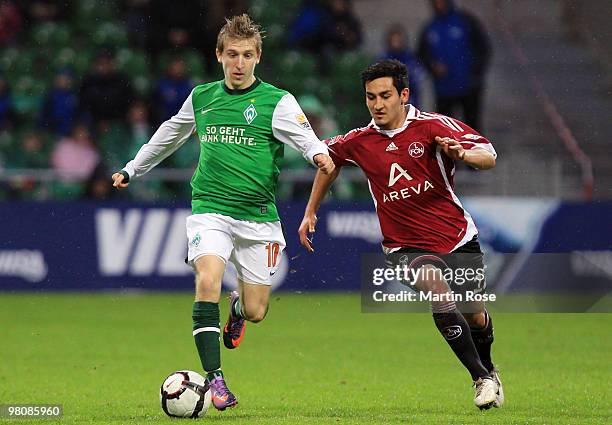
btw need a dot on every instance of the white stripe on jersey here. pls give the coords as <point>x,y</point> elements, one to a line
<point>486,146</point>
<point>445,120</point>
<point>372,194</point>
<point>471,230</point>
<point>453,123</point>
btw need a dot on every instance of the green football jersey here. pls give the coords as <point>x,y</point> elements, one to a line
<point>241,135</point>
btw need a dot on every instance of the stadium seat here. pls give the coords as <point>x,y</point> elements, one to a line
<point>87,13</point>
<point>8,57</point>
<point>66,190</point>
<point>296,71</point>
<point>109,34</point>
<point>132,62</point>
<point>346,69</point>
<point>196,64</point>
<point>266,12</point>
<point>28,93</point>
<point>6,148</point>
<point>64,58</point>
<point>114,144</point>
<point>51,34</point>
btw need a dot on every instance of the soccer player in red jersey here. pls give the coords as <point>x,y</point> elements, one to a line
<point>409,158</point>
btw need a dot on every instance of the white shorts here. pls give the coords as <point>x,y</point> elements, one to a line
<point>254,248</point>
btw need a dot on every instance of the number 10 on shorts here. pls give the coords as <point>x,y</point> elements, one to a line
<point>273,248</point>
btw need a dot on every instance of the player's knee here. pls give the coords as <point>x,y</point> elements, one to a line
<point>435,286</point>
<point>431,280</point>
<point>476,320</point>
<point>204,281</point>
<point>206,287</point>
<point>256,314</point>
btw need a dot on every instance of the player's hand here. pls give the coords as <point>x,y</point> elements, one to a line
<point>118,181</point>
<point>306,231</point>
<point>325,163</point>
<point>451,148</point>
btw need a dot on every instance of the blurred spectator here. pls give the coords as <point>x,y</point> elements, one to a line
<point>10,23</point>
<point>307,31</point>
<point>7,111</point>
<point>176,25</point>
<point>397,48</point>
<point>139,131</point>
<point>38,11</point>
<point>31,152</point>
<point>172,90</point>
<point>59,107</point>
<point>571,16</point>
<point>345,26</point>
<point>324,24</point>
<point>105,93</point>
<point>97,186</point>
<point>139,127</point>
<point>456,51</point>
<point>122,140</point>
<point>137,19</point>
<point>75,155</point>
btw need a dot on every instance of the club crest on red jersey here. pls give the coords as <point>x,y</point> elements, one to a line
<point>416,149</point>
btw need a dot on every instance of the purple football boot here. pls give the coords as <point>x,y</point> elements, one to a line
<point>221,396</point>
<point>233,332</point>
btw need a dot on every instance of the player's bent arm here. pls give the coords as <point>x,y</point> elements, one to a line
<point>320,187</point>
<point>479,158</point>
<point>170,136</point>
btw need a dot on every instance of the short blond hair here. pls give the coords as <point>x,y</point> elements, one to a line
<point>240,27</point>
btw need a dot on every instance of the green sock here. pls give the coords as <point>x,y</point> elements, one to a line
<point>206,332</point>
<point>212,375</point>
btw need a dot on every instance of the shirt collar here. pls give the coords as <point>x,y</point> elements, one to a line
<point>412,114</point>
<point>242,91</point>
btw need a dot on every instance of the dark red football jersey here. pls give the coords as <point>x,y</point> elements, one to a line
<point>411,179</point>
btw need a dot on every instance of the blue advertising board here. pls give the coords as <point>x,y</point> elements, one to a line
<point>98,246</point>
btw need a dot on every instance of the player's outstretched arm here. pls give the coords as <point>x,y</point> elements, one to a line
<point>320,187</point>
<point>169,137</point>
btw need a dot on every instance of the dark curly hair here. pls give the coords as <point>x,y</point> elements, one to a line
<point>387,68</point>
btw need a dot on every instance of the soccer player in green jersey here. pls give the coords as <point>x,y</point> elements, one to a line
<point>242,125</point>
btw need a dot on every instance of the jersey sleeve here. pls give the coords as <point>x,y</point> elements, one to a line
<point>290,126</point>
<point>170,136</point>
<point>339,147</point>
<point>468,137</point>
<point>337,150</point>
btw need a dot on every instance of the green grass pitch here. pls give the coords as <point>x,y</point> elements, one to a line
<point>315,359</point>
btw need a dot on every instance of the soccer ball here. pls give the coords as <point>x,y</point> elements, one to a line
<point>185,394</point>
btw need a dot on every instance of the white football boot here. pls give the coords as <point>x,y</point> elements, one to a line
<point>499,401</point>
<point>486,393</point>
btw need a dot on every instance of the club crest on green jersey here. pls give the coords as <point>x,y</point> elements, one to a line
<point>250,113</point>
